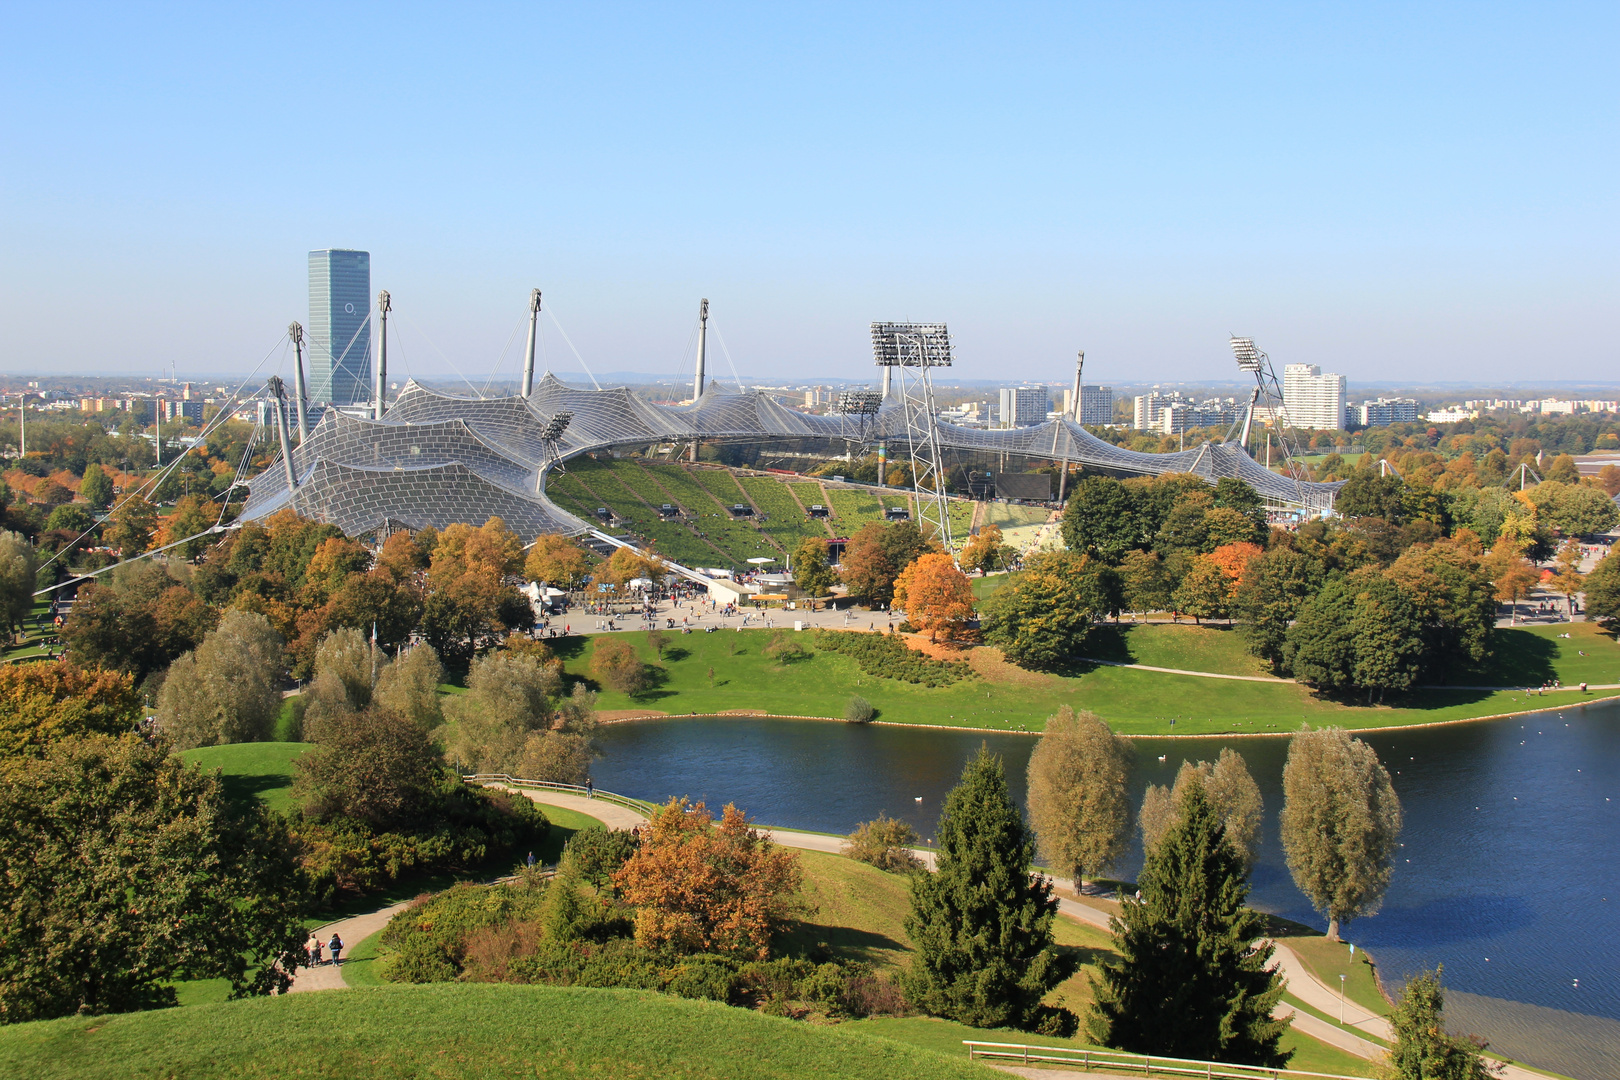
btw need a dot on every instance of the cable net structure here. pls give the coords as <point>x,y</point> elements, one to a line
<point>435,459</point>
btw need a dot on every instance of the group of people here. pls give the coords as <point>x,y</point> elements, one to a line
<point>317,950</point>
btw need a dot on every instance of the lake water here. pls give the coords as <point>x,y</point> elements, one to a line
<point>1509,873</point>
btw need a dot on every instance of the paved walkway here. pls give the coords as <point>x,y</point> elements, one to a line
<point>1301,983</point>
<point>1180,671</point>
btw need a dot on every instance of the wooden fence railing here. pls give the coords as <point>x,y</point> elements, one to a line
<point>1147,1064</point>
<point>640,806</point>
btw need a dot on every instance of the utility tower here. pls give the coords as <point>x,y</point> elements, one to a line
<point>914,350</point>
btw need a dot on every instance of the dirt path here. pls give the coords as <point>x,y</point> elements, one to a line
<point>353,931</point>
<point>1179,671</point>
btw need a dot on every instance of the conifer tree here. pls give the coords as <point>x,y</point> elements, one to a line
<point>1191,980</point>
<point>981,922</point>
<point>1423,1049</point>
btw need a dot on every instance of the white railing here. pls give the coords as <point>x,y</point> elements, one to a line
<point>640,806</point>
<point>1146,1064</point>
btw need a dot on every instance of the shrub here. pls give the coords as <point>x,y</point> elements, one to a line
<point>597,853</point>
<point>884,843</point>
<point>859,710</point>
<point>887,657</point>
<point>615,664</point>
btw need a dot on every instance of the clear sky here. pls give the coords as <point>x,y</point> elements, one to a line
<point>1394,191</point>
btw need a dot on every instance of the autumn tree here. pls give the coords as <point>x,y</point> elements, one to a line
<point>867,571</point>
<point>1143,583</point>
<point>1190,981</point>
<point>1511,573</point>
<point>1341,822</point>
<point>701,887</point>
<point>557,561</point>
<point>934,594</point>
<point>983,551</point>
<point>44,702</point>
<point>1232,794</point>
<point>229,689</point>
<point>1423,1049</point>
<point>616,665</point>
<point>811,573</point>
<point>469,596</point>
<point>1206,590</point>
<point>347,667</point>
<point>981,922</point>
<point>409,687</point>
<point>190,518</point>
<point>131,527</point>
<point>132,871</point>
<point>1568,579</point>
<point>139,621</point>
<point>1077,801</point>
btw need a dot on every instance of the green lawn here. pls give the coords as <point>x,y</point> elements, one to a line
<point>1183,646</point>
<point>1131,700</point>
<point>452,1030</point>
<point>1327,961</point>
<point>263,769</point>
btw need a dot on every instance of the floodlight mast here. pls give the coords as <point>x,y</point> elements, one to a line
<point>862,405</point>
<point>550,436</point>
<point>915,349</point>
<point>1251,359</point>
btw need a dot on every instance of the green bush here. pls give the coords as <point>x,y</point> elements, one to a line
<point>859,710</point>
<point>885,843</point>
<point>596,853</point>
<point>462,827</point>
<point>887,657</point>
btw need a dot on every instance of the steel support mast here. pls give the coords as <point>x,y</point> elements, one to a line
<point>528,352</point>
<point>384,305</point>
<point>702,359</point>
<point>300,392</point>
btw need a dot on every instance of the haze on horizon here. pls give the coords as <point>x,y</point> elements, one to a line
<point>1394,192</point>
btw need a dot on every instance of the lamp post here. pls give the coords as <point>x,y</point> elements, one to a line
<point>1341,1000</point>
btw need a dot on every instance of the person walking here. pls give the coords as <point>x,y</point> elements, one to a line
<point>590,788</point>
<point>313,948</point>
<point>531,860</point>
<point>336,946</point>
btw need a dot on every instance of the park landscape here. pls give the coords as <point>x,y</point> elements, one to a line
<point>292,732</point>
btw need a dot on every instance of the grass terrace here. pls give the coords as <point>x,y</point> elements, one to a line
<point>784,519</point>
<point>852,508</point>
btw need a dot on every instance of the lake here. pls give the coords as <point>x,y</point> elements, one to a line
<point>1508,874</point>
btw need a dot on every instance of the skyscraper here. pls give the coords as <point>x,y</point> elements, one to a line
<point>339,333</point>
<point>1312,399</point>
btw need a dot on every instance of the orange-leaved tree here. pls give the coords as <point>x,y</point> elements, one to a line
<point>702,887</point>
<point>934,594</point>
<point>983,551</point>
<point>42,702</point>
<point>557,561</point>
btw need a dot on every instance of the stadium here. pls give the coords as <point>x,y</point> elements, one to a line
<point>434,459</point>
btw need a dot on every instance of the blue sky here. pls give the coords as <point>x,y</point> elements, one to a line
<point>1393,191</point>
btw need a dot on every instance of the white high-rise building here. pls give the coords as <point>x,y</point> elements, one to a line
<point>1096,404</point>
<point>1024,406</point>
<point>1312,399</point>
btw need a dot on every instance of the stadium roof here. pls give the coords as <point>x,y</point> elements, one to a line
<point>435,459</point>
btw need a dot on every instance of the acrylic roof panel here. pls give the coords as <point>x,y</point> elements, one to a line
<point>437,458</point>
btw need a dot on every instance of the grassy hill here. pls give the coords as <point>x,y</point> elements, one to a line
<point>461,1030</point>
<point>1132,700</point>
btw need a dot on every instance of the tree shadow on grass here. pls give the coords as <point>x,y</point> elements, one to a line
<point>1520,659</point>
<point>244,790</point>
<point>675,654</point>
<point>568,648</point>
<point>1111,642</point>
<point>821,943</point>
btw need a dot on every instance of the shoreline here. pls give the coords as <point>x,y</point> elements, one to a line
<point>755,714</point>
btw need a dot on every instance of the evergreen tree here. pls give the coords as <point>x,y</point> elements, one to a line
<point>981,922</point>
<point>1423,1049</point>
<point>1191,981</point>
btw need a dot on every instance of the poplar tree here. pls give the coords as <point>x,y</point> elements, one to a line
<point>981,923</point>
<point>1077,800</point>
<point>1341,821</point>
<point>1191,980</point>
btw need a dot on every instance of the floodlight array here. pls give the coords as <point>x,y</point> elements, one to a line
<point>860,402</point>
<point>1249,358</point>
<point>556,426</point>
<point>919,345</point>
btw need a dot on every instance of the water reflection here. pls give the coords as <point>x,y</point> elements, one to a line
<point>1508,872</point>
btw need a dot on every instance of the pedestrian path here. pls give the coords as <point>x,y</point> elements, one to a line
<point>1181,671</point>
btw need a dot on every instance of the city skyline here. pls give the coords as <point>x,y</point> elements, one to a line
<point>1359,189</point>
